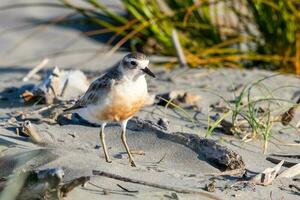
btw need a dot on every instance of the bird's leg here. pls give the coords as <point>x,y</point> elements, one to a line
<point>102,139</point>
<point>123,137</point>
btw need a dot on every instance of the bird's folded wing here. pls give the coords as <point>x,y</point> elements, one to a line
<point>98,89</point>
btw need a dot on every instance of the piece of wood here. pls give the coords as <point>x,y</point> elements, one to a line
<point>30,130</point>
<point>220,156</point>
<point>276,161</point>
<point>267,176</point>
<point>146,183</point>
<point>34,184</point>
<point>36,69</point>
<point>290,172</point>
<point>297,156</point>
<point>127,190</point>
<point>68,187</point>
<point>178,48</point>
<point>41,184</point>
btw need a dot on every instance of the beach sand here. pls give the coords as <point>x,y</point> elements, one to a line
<point>75,148</point>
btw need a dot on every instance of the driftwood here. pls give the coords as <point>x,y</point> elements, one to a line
<point>164,187</point>
<point>127,190</point>
<point>290,172</point>
<point>267,176</point>
<point>68,187</point>
<point>179,50</point>
<point>56,85</point>
<point>36,69</point>
<point>220,156</point>
<point>44,184</point>
<point>31,131</point>
<point>285,163</point>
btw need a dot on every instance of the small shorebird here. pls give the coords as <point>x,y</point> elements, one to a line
<point>116,97</point>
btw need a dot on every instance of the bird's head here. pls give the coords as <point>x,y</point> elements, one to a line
<point>135,64</point>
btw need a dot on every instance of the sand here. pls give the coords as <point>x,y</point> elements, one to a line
<point>75,148</point>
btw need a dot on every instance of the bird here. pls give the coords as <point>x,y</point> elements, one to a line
<point>115,97</point>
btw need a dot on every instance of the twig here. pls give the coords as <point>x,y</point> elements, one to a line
<point>294,186</point>
<point>44,108</point>
<point>29,130</point>
<point>68,187</point>
<point>162,158</point>
<point>36,69</point>
<point>164,187</point>
<point>64,87</point>
<point>287,155</point>
<point>178,48</point>
<point>276,161</point>
<point>126,190</point>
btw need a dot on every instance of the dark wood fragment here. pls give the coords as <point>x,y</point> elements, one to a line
<point>220,156</point>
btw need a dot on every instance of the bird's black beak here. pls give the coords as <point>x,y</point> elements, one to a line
<point>147,71</point>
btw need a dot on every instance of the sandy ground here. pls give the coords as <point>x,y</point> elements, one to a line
<point>75,147</point>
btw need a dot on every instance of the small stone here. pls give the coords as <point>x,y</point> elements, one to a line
<point>164,123</point>
<point>211,187</point>
<point>73,134</point>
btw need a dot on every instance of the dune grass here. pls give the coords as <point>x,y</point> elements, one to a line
<point>255,116</point>
<point>263,33</point>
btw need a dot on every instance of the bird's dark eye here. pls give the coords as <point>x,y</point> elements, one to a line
<point>133,63</point>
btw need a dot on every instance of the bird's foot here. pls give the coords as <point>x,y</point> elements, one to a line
<point>108,160</point>
<point>132,163</point>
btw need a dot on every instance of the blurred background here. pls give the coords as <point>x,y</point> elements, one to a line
<point>196,33</point>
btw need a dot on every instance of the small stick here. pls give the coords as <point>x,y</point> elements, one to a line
<point>178,48</point>
<point>287,155</point>
<point>35,69</point>
<point>126,190</point>
<point>29,130</point>
<point>68,187</point>
<point>276,161</point>
<point>162,158</point>
<point>64,88</point>
<point>164,187</point>
<point>294,186</point>
<point>44,108</point>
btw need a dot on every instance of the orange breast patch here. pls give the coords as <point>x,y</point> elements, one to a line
<point>120,110</point>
